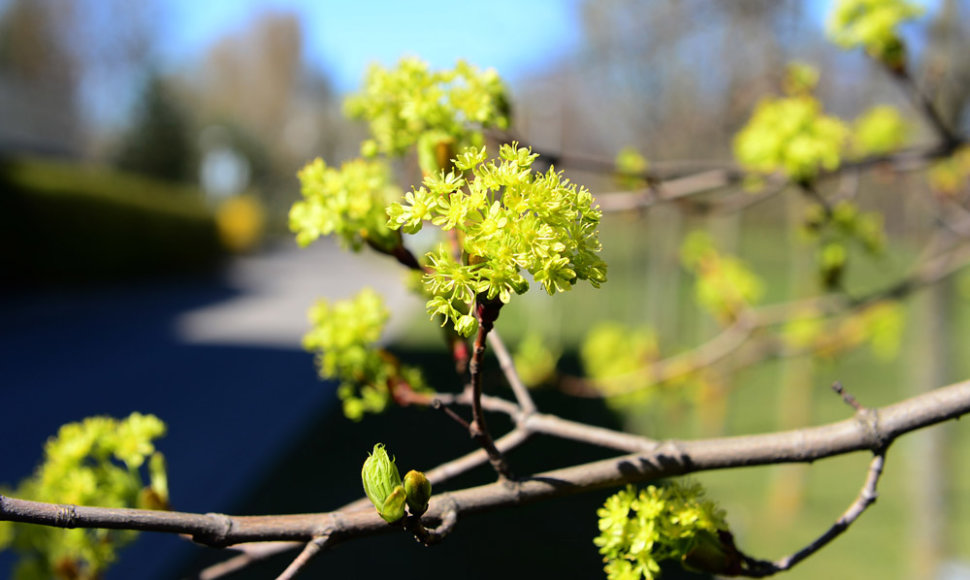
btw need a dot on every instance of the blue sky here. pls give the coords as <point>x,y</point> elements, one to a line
<point>342,38</point>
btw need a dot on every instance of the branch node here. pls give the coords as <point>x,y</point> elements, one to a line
<point>877,441</point>
<point>66,516</point>
<point>338,523</point>
<point>216,535</point>
<point>431,536</point>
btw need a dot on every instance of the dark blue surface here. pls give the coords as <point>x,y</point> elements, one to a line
<point>230,410</point>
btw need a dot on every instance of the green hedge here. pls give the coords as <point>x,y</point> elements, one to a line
<point>64,222</point>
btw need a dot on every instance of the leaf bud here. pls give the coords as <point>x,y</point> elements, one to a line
<point>381,482</point>
<point>394,505</point>
<point>418,490</point>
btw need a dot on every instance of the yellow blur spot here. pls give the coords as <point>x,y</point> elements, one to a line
<point>241,222</point>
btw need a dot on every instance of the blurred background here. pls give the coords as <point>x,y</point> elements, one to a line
<point>148,153</point>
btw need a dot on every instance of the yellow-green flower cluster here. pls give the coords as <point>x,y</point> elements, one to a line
<point>838,227</point>
<point>630,167</point>
<point>344,336</point>
<point>880,129</point>
<point>612,349</point>
<point>512,221</point>
<point>871,24</point>
<point>403,103</point>
<point>791,135</point>
<point>881,325</point>
<point>349,202</point>
<point>725,285</point>
<point>638,530</point>
<point>534,360</point>
<point>95,462</point>
<point>800,78</point>
<point>950,176</point>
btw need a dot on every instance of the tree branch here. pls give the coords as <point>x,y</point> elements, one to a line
<point>486,311</point>
<point>311,549</point>
<point>505,362</point>
<point>870,429</point>
<point>949,140</point>
<point>867,496</point>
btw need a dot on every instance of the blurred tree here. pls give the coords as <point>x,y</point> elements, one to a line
<point>254,83</point>
<point>32,48</point>
<point>159,143</point>
<point>38,78</point>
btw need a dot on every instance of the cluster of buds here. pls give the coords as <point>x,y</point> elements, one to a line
<point>386,490</point>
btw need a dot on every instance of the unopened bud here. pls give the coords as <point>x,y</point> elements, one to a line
<point>418,490</point>
<point>381,483</point>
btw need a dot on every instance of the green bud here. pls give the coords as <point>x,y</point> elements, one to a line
<point>418,490</point>
<point>394,505</point>
<point>381,482</point>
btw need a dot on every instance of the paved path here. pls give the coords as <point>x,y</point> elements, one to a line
<point>219,360</point>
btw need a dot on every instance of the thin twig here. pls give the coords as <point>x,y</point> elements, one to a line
<point>848,398</point>
<point>399,253</point>
<point>437,404</point>
<point>505,362</point>
<point>867,496</point>
<point>808,188</point>
<point>250,553</point>
<point>949,139</point>
<point>311,549</point>
<point>565,429</point>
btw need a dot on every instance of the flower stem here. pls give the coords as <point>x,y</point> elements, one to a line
<point>486,311</point>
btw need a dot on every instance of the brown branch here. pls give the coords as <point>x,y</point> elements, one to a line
<point>949,140</point>
<point>399,253</point>
<point>527,424</point>
<point>431,536</point>
<point>257,551</point>
<point>250,553</point>
<point>672,190</point>
<point>846,396</point>
<point>873,429</point>
<point>679,188</point>
<point>486,312</point>
<point>565,429</point>
<point>505,362</point>
<point>867,496</point>
<point>311,549</point>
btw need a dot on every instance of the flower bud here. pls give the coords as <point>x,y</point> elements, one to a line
<point>381,481</point>
<point>418,490</point>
